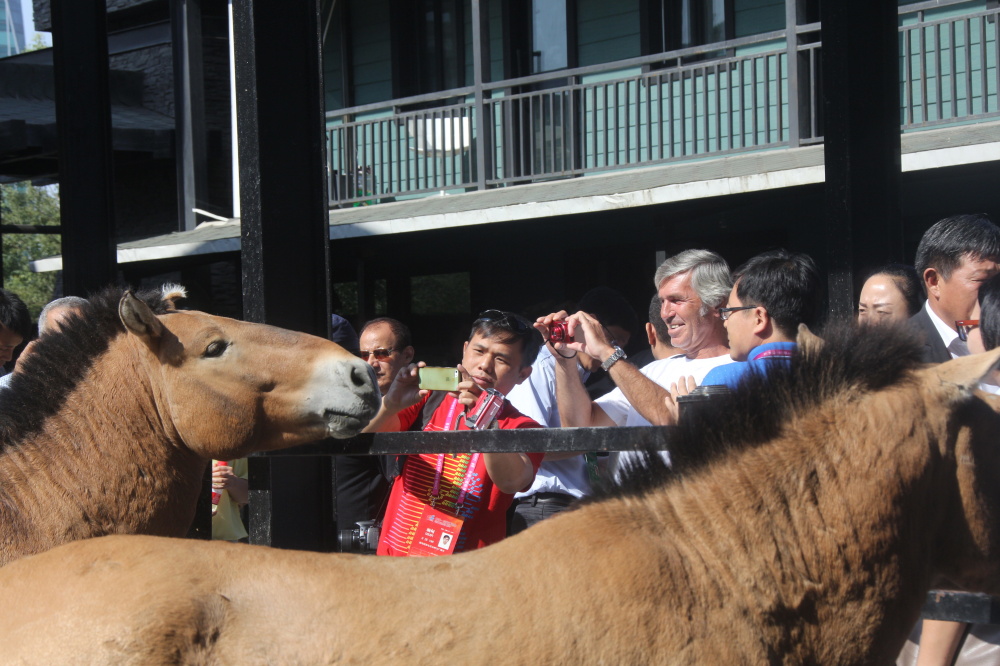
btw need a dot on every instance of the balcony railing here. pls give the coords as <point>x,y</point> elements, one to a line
<point>715,100</point>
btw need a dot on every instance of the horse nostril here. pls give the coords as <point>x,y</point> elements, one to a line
<point>360,374</point>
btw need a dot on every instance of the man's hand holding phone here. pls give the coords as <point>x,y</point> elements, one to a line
<point>405,388</point>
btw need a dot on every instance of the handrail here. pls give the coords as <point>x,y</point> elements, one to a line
<point>627,63</point>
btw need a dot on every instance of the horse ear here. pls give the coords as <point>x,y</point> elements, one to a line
<point>138,318</point>
<point>809,342</point>
<point>966,371</point>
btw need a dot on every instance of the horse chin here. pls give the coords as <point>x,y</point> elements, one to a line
<point>343,426</point>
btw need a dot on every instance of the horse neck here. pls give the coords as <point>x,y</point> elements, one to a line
<point>107,462</point>
<point>799,530</point>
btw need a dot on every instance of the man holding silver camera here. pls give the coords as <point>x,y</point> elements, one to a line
<point>444,503</point>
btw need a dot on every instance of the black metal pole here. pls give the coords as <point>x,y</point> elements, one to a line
<point>285,228</point>
<point>860,68</point>
<point>283,202</point>
<point>83,118</point>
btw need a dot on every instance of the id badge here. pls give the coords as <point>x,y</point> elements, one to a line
<point>437,533</point>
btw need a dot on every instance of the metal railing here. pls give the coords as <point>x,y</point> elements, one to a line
<point>714,100</point>
<point>949,69</point>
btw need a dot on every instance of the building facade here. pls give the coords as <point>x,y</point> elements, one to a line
<point>516,153</point>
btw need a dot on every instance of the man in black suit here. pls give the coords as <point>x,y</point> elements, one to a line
<point>954,258</point>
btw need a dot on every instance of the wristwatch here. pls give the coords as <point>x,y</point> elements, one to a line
<point>614,358</point>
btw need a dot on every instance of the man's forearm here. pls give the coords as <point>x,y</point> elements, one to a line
<point>645,395</point>
<point>385,420</point>
<point>510,472</point>
<point>574,404</point>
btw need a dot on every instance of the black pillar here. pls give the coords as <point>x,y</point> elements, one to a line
<point>285,220</point>
<point>860,64</point>
<point>285,231</point>
<point>189,111</point>
<point>83,118</point>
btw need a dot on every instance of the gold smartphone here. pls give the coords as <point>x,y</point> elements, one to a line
<point>438,379</point>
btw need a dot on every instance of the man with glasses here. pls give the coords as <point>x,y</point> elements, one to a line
<point>954,257</point>
<point>363,481</point>
<point>387,347</point>
<point>774,293</point>
<point>443,503</point>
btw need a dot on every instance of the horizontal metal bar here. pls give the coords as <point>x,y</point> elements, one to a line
<point>563,73</point>
<point>930,4</point>
<point>491,441</point>
<point>30,229</point>
<point>974,608</point>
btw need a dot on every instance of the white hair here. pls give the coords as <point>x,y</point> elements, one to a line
<point>710,277</point>
<point>64,303</point>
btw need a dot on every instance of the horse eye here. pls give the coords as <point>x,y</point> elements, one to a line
<point>215,349</point>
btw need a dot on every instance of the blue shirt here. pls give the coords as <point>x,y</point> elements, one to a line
<point>757,361</point>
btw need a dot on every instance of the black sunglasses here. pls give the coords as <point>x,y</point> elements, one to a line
<point>380,354</point>
<point>506,320</point>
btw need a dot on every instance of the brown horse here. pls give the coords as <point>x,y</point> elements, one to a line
<point>112,422</point>
<point>833,494</point>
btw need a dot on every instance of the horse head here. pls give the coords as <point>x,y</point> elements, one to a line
<point>969,550</point>
<point>228,387</point>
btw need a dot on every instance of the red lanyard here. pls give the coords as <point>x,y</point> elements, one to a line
<point>451,423</point>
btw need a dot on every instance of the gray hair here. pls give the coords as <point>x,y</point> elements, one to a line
<point>709,276</point>
<point>66,302</point>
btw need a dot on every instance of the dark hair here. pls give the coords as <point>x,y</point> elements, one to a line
<point>14,314</point>
<point>989,318</point>
<point>508,328</point>
<point>786,284</point>
<point>400,331</point>
<point>610,308</point>
<point>659,326</point>
<point>907,281</point>
<point>945,244</point>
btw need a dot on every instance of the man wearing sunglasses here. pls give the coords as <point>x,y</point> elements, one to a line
<point>363,481</point>
<point>386,346</point>
<point>463,497</point>
<point>955,257</point>
<point>774,293</point>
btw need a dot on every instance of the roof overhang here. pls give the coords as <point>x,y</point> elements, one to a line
<point>735,174</point>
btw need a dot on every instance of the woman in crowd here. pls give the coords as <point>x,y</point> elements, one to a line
<point>891,293</point>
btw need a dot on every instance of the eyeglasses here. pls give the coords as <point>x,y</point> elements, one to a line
<point>506,320</point>
<point>964,326</point>
<point>380,354</point>
<point>726,312</point>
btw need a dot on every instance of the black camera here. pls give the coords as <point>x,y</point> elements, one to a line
<point>362,539</point>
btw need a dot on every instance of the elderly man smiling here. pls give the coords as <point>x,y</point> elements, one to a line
<point>692,286</point>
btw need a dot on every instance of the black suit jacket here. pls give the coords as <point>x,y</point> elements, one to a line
<point>934,349</point>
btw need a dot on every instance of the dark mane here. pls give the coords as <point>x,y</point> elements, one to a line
<point>855,360</point>
<point>60,360</point>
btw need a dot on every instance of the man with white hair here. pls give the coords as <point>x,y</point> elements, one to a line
<point>692,286</point>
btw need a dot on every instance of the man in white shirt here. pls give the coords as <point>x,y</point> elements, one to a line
<point>954,258</point>
<point>692,286</point>
<point>563,477</point>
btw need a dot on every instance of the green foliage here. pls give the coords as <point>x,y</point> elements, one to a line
<point>24,204</point>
